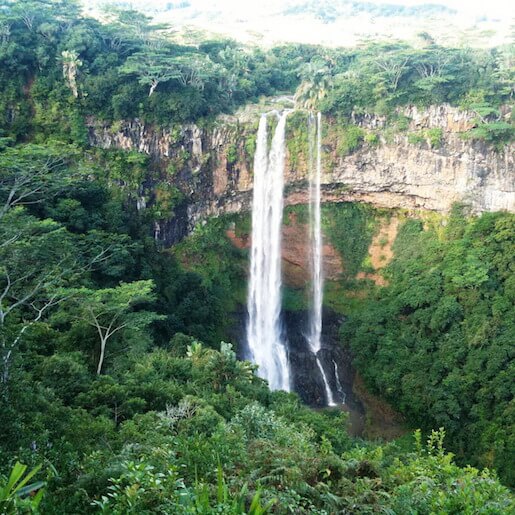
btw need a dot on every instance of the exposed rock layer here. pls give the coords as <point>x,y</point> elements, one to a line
<point>295,254</point>
<point>214,165</point>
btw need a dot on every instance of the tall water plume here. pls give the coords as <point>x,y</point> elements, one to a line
<point>264,332</point>
<point>315,230</point>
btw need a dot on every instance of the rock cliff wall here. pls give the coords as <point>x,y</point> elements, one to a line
<point>427,165</point>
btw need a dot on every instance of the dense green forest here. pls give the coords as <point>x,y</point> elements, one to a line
<point>117,392</point>
<point>58,68</point>
<point>445,323</point>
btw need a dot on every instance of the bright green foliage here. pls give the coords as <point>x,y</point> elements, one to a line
<point>210,413</point>
<point>111,311</point>
<point>459,490</point>
<point>349,139</point>
<point>316,81</point>
<point>350,228</point>
<point>17,494</point>
<point>437,341</point>
<point>297,139</point>
<point>415,138</point>
<point>72,253</point>
<point>58,67</point>
<point>189,429</point>
<point>371,138</point>
<point>381,76</point>
<point>493,132</point>
<point>433,137</point>
<point>151,68</point>
<point>141,490</point>
<point>171,421</point>
<point>232,154</point>
<point>209,252</point>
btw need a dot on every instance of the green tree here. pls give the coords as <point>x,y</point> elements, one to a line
<point>315,84</point>
<point>151,67</point>
<point>30,175</point>
<point>17,495</point>
<point>29,290</point>
<point>111,310</point>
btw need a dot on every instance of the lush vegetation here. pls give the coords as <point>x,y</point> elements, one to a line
<point>117,392</point>
<point>382,77</point>
<point>438,341</point>
<point>57,67</point>
<point>159,422</point>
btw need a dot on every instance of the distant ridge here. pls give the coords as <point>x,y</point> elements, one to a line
<point>329,10</point>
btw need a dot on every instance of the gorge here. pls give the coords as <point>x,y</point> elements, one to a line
<point>393,172</point>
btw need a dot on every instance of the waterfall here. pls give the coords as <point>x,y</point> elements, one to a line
<point>339,386</point>
<point>264,332</point>
<point>315,230</point>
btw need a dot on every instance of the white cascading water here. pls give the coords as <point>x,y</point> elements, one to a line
<point>315,229</point>
<point>339,386</point>
<point>264,332</point>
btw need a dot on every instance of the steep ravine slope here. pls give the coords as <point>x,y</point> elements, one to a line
<point>427,164</point>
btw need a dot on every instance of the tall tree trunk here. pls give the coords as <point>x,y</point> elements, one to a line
<point>6,361</point>
<point>102,353</point>
<point>153,87</point>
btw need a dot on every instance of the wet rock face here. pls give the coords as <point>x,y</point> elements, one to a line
<point>305,376</point>
<point>296,248</point>
<point>174,229</point>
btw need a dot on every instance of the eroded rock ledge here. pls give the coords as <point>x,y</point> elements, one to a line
<point>215,166</point>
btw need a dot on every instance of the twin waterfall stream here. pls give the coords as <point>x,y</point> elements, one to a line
<point>267,343</point>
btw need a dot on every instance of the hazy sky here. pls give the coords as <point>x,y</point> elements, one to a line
<point>491,8</point>
<point>263,22</point>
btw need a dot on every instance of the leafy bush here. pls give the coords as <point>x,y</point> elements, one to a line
<point>17,495</point>
<point>349,139</point>
<point>493,132</point>
<point>432,136</point>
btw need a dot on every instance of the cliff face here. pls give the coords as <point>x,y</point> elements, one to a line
<point>396,169</point>
<point>425,165</point>
<point>296,272</point>
<point>402,174</point>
